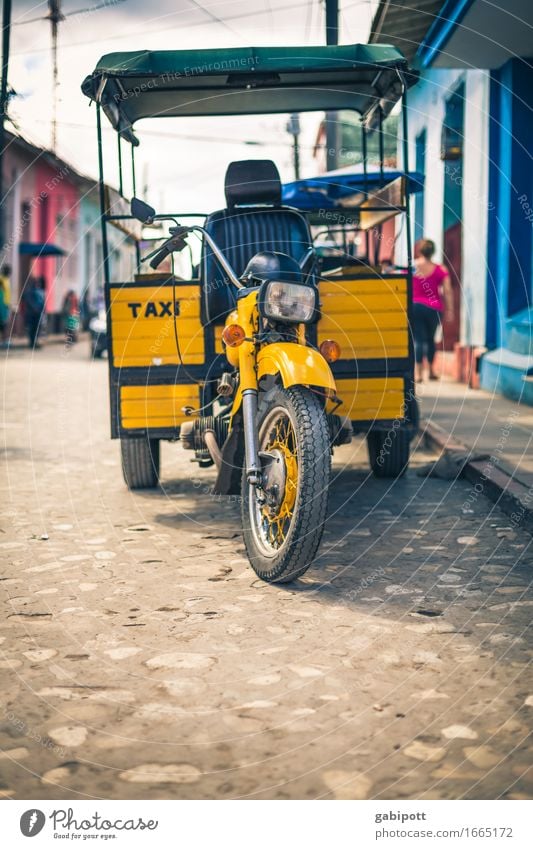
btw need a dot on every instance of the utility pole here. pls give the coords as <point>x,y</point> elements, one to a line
<point>54,16</point>
<point>293,128</point>
<point>332,126</point>
<point>4,97</point>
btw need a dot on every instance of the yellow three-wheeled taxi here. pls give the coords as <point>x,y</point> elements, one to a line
<point>264,359</point>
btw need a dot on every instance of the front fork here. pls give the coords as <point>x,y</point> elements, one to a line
<point>250,392</point>
<point>251,438</point>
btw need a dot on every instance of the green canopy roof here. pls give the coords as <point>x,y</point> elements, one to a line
<point>239,81</point>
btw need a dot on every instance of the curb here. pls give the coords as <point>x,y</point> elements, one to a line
<point>512,496</point>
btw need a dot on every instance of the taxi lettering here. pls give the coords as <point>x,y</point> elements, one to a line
<point>154,309</point>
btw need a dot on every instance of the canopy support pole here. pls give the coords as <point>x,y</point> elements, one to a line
<point>364,147</point>
<point>332,127</point>
<point>405,154</point>
<point>119,149</point>
<point>101,187</point>
<point>133,181</point>
<point>381,146</point>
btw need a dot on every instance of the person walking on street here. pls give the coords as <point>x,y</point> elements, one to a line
<point>432,295</point>
<point>5,302</point>
<point>71,316</point>
<point>33,300</point>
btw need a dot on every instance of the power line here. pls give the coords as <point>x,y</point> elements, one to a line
<point>213,17</point>
<point>105,5</point>
<point>187,136</point>
<point>240,16</point>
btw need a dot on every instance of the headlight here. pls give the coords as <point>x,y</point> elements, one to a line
<point>291,302</point>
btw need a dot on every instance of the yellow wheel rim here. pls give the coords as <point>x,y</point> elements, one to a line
<point>283,440</point>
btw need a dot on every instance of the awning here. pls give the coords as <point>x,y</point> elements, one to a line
<point>40,249</point>
<point>404,24</point>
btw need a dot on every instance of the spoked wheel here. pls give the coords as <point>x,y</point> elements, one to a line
<point>283,521</point>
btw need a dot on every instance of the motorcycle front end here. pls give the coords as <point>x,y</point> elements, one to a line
<point>283,391</point>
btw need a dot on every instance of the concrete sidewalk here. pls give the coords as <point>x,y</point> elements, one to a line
<point>456,419</point>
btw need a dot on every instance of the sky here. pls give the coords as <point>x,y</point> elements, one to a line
<point>181,162</point>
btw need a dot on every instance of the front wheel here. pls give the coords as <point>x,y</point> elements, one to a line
<point>283,522</point>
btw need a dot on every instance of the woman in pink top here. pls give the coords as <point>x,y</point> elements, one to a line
<point>431,285</point>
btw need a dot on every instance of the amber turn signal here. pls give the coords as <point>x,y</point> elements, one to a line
<point>233,335</point>
<point>330,350</point>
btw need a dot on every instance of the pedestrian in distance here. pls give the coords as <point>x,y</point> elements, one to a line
<point>33,300</point>
<point>71,316</point>
<point>5,302</point>
<point>432,296</point>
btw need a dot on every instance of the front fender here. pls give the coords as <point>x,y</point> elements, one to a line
<point>296,364</point>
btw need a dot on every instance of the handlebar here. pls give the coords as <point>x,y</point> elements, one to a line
<point>177,243</point>
<point>159,257</point>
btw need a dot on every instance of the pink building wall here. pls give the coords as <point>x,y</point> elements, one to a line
<point>41,205</point>
<point>56,221</point>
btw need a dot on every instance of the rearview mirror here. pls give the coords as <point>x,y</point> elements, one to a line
<point>142,211</point>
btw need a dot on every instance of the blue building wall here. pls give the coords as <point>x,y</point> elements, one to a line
<point>508,367</point>
<point>469,40</point>
<point>509,277</point>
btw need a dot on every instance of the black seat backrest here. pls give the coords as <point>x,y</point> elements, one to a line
<point>253,221</point>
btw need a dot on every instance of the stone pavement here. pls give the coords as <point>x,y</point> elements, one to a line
<point>140,657</point>
<point>489,424</point>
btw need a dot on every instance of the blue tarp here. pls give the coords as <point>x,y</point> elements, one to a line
<point>329,190</point>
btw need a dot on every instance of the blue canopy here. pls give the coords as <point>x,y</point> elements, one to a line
<point>40,249</point>
<point>329,190</point>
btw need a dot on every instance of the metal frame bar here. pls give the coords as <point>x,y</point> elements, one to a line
<point>381,145</point>
<point>161,217</point>
<point>101,189</point>
<point>133,180</point>
<point>405,149</point>
<point>119,150</point>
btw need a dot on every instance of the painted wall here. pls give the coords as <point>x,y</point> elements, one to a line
<point>20,206</point>
<point>57,223</point>
<point>427,105</point>
<point>122,256</point>
<point>510,282</point>
<point>92,277</point>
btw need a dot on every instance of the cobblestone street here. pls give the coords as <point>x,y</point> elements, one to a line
<point>141,658</point>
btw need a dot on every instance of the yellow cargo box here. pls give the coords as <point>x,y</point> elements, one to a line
<point>142,325</point>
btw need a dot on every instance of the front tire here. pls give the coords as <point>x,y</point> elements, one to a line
<point>283,535</point>
<point>140,462</point>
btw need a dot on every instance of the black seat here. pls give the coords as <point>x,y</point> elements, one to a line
<point>254,221</point>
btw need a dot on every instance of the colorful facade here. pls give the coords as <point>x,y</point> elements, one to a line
<point>470,125</point>
<point>49,204</point>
